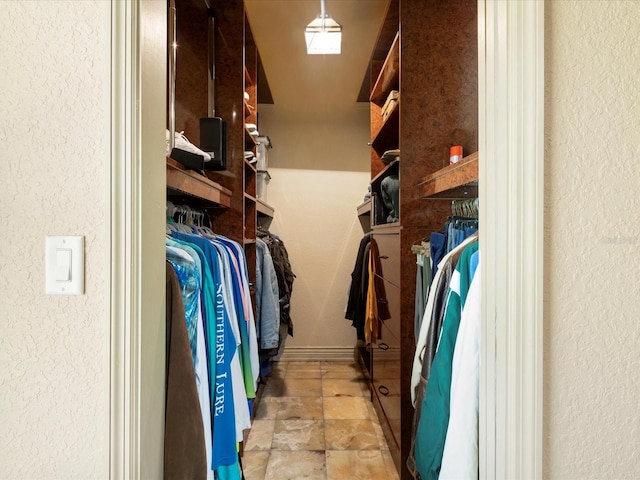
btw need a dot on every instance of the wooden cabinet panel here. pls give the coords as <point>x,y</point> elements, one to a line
<point>386,385</point>
<point>391,326</point>
<point>389,250</point>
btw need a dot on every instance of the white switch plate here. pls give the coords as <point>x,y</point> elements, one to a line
<point>57,250</point>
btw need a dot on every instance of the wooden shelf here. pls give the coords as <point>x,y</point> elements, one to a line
<point>387,227</point>
<point>250,166</point>
<point>250,140</point>
<point>247,77</point>
<point>194,184</point>
<point>364,208</point>
<point>390,169</point>
<point>387,137</point>
<point>389,77</point>
<point>453,181</point>
<point>248,109</point>
<point>264,208</point>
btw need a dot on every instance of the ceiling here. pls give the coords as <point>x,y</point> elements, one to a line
<point>314,84</point>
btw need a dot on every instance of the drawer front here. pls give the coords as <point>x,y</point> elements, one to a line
<point>389,249</point>
<point>390,330</point>
<point>386,386</point>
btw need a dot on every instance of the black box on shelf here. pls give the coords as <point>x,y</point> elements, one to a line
<point>213,140</point>
<point>191,161</point>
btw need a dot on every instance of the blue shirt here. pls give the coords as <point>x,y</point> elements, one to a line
<point>221,346</point>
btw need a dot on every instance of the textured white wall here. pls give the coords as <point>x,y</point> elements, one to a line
<point>54,350</point>
<point>320,173</point>
<point>592,240</point>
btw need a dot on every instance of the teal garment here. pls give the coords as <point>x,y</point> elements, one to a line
<point>208,305</point>
<point>229,472</point>
<point>390,192</point>
<point>189,281</point>
<point>434,416</point>
<point>193,310</point>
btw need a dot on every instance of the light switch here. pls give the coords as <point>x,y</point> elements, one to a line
<point>65,265</point>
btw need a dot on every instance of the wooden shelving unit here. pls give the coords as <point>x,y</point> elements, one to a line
<point>364,208</point>
<point>228,196</point>
<point>264,208</point>
<point>386,134</point>
<point>378,209</point>
<point>436,107</point>
<point>248,109</point>
<point>194,184</point>
<point>389,169</point>
<point>389,77</point>
<point>453,181</point>
<point>385,131</point>
<point>250,141</point>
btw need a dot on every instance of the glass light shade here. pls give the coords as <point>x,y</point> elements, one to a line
<point>323,36</point>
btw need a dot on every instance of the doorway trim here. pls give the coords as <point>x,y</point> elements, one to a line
<point>511,105</point>
<point>136,229</point>
<point>511,185</point>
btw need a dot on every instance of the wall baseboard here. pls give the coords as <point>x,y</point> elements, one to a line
<point>308,354</point>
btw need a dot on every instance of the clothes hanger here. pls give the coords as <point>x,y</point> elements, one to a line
<point>199,226</point>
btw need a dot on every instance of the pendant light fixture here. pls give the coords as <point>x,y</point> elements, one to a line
<point>323,35</point>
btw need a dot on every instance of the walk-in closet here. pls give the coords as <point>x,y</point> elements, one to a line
<point>321,240</point>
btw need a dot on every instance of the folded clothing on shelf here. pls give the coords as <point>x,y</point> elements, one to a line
<point>390,103</point>
<point>250,156</point>
<point>390,190</point>
<point>252,129</point>
<point>390,155</point>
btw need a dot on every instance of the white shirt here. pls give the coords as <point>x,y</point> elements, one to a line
<point>460,456</point>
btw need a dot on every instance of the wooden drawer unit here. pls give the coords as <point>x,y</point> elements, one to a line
<point>386,388</point>
<point>385,370</point>
<point>391,326</point>
<point>389,250</point>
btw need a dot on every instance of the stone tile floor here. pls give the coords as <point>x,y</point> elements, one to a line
<point>315,421</point>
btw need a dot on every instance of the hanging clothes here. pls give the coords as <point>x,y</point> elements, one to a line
<point>222,353</point>
<point>249,344</point>
<point>462,224</point>
<point>431,431</point>
<point>377,305</point>
<point>284,274</point>
<point>423,283</point>
<point>238,366</point>
<point>366,303</point>
<point>188,268</point>
<point>428,338</point>
<point>267,298</point>
<point>431,325</point>
<point>184,442</point>
<point>357,298</point>
<point>460,454</point>
<point>222,339</point>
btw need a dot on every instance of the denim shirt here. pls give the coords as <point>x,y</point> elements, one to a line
<point>267,298</point>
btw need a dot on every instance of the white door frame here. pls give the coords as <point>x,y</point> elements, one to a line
<point>511,103</point>
<point>511,111</point>
<point>136,235</point>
